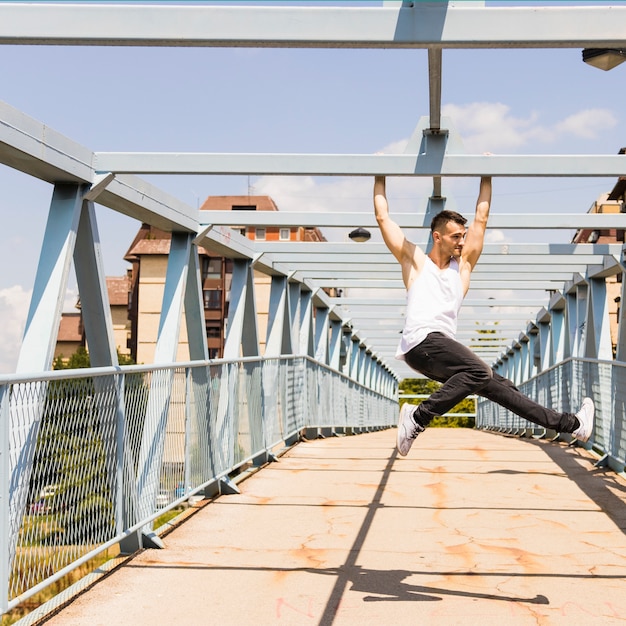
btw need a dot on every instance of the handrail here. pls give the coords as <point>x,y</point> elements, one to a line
<point>115,447</point>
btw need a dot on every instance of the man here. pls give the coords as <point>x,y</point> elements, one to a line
<point>436,284</point>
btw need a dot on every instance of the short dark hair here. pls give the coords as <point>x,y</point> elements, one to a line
<point>443,217</point>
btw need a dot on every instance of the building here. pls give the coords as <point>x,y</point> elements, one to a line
<point>148,255</point>
<point>71,335</point>
<point>612,202</point>
<point>72,331</point>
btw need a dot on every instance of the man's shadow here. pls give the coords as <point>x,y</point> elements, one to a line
<point>389,586</point>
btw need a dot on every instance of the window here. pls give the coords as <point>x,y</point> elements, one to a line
<point>285,234</point>
<point>211,267</point>
<point>213,330</point>
<point>260,234</point>
<point>212,298</point>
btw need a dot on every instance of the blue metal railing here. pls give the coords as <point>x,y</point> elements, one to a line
<point>90,458</point>
<point>562,387</point>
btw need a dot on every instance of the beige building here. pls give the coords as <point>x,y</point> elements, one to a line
<point>608,203</point>
<point>71,329</point>
<point>148,255</point>
<point>71,335</point>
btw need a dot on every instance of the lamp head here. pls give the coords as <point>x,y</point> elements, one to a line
<point>360,235</point>
<point>604,58</point>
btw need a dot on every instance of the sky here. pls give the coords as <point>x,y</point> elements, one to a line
<point>502,101</point>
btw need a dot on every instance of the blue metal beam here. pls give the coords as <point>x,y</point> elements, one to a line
<point>422,25</point>
<point>425,164</point>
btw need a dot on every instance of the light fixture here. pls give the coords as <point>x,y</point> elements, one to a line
<point>604,58</point>
<point>360,235</point>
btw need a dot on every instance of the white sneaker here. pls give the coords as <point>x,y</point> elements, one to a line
<point>585,417</point>
<point>408,429</point>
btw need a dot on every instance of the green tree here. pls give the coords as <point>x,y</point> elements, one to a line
<point>81,359</point>
<point>425,386</point>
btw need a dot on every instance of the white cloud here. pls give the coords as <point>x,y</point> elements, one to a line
<point>497,236</point>
<point>395,147</point>
<point>297,193</point>
<point>14,303</point>
<point>490,126</point>
<point>587,124</point>
<point>71,298</point>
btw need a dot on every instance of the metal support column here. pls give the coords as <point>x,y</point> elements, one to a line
<point>322,322</point>
<point>157,410</point>
<point>242,335</point>
<point>38,344</point>
<point>336,342</point>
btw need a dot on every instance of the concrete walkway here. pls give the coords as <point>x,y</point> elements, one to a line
<point>470,528</point>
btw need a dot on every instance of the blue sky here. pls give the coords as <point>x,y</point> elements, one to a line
<point>280,100</point>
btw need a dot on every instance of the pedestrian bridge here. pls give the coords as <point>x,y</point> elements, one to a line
<point>470,528</point>
<point>92,460</point>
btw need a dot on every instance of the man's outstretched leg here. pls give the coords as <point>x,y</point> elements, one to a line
<point>409,427</point>
<point>503,392</point>
<point>463,373</point>
<point>447,361</point>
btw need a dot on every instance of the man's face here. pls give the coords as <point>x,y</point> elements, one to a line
<point>451,239</point>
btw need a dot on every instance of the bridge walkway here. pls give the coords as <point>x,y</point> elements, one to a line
<point>470,528</point>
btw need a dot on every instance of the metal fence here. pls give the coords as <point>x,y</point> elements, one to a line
<point>562,388</point>
<point>90,458</point>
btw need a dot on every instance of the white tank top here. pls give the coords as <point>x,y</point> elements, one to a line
<point>432,305</point>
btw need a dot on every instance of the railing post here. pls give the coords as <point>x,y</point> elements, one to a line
<point>187,453</point>
<point>5,553</point>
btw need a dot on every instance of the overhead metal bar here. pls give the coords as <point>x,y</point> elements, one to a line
<point>285,164</point>
<point>368,266</point>
<point>489,262</point>
<point>468,302</point>
<point>419,26</point>
<point>392,274</point>
<point>366,219</point>
<point>533,284</point>
<point>504,320</point>
<point>502,250</point>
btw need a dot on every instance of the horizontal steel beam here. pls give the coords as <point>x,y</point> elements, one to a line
<point>554,250</point>
<point>495,319</point>
<point>391,275</point>
<point>502,221</point>
<point>433,164</point>
<point>391,287</point>
<point>389,280</point>
<point>490,262</point>
<point>395,301</point>
<point>419,26</point>
<point>384,261</point>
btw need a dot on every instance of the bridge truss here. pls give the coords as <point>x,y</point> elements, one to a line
<point>535,296</point>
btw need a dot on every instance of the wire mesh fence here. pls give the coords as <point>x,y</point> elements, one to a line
<point>562,388</point>
<point>92,457</point>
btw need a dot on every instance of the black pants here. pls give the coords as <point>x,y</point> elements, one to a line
<point>462,373</point>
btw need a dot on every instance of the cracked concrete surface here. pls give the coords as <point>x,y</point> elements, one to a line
<point>469,528</point>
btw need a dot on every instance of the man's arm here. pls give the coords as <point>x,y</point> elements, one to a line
<point>476,232</point>
<point>392,234</point>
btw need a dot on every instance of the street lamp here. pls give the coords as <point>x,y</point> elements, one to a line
<point>360,235</point>
<point>604,58</point>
